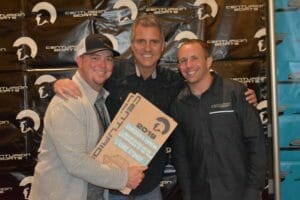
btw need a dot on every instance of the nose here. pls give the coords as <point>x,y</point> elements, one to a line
<point>189,63</point>
<point>148,46</point>
<point>102,62</point>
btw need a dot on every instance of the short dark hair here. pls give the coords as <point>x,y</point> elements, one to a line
<point>203,44</point>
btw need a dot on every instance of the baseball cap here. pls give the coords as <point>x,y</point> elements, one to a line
<point>93,43</point>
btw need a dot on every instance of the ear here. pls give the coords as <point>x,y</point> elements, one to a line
<point>164,46</point>
<point>209,61</point>
<point>163,49</point>
<point>78,61</point>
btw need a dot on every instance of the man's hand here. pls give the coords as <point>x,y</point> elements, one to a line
<point>135,176</point>
<point>67,88</point>
<point>251,97</point>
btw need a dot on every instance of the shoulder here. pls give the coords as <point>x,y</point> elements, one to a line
<point>182,98</point>
<point>170,76</point>
<point>123,66</point>
<point>170,73</point>
<point>59,107</point>
<point>234,86</point>
<point>234,90</point>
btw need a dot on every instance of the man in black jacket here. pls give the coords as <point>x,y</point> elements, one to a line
<point>218,145</point>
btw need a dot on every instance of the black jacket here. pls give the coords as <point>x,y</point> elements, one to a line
<point>161,91</point>
<point>218,147</point>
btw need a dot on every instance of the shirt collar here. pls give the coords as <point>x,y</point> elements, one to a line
<point>89,92</point>
<point>138,73</point>
<point>186,93</point>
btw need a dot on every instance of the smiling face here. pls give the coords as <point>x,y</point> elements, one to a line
<point>147,47</point>
<point>96,68</point>
<point>194,64</point>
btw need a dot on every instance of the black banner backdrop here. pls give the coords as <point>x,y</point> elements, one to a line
<point>37,45</point>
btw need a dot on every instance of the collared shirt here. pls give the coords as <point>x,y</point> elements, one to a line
<point>93,191</point>
<point>138,73</point>
<point>90,92</point>
<point>92,95</point>
<point>160,89</point>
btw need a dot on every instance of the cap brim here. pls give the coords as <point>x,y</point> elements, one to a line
<point>115,53</point>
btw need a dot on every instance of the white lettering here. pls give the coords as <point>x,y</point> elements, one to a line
<point>12,89</point>
<point>5,189</point>
<point>4,122</point>
<point>10,16</point>
<point>20,156</point>
<point>250,80</point>
<point>243,8</point>
<point>231,42</point>
<point>156,10</point>
<point>61,48</point>
<point>84,13</point>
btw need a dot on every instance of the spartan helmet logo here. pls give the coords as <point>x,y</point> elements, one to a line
<point>26,183</point>
<point>202,11</point>
<point>129,4</point>
<point>46,13</point>
<point>162,125</point>
<point>29,121</point>
<point>184,35</point>
<point>44,79</point>
<point>113,40</point>
<point>261,34</point>
<point>23,43</point>
<point>262,108</point>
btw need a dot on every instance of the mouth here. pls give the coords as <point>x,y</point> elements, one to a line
<point>190,73</point>
<point>99,72</point>
<point>147,55</point>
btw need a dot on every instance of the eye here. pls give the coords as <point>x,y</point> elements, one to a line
<point>155,41</point>
<point>140,41</point>
<point>94,58</point>
<point>194,58</point>
<point>182,61</point>
<point>109,59</point>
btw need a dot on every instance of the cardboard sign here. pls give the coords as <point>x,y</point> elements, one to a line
<point>135,135</point>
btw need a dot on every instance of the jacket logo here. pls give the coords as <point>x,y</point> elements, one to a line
<point>221,105</point>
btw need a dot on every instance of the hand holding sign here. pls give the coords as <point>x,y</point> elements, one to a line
<point>134,136</point>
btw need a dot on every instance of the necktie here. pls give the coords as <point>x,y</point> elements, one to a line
<point>102,112</point>
<point>94,192</point>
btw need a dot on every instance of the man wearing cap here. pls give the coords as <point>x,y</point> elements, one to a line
<point>65,170</point>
